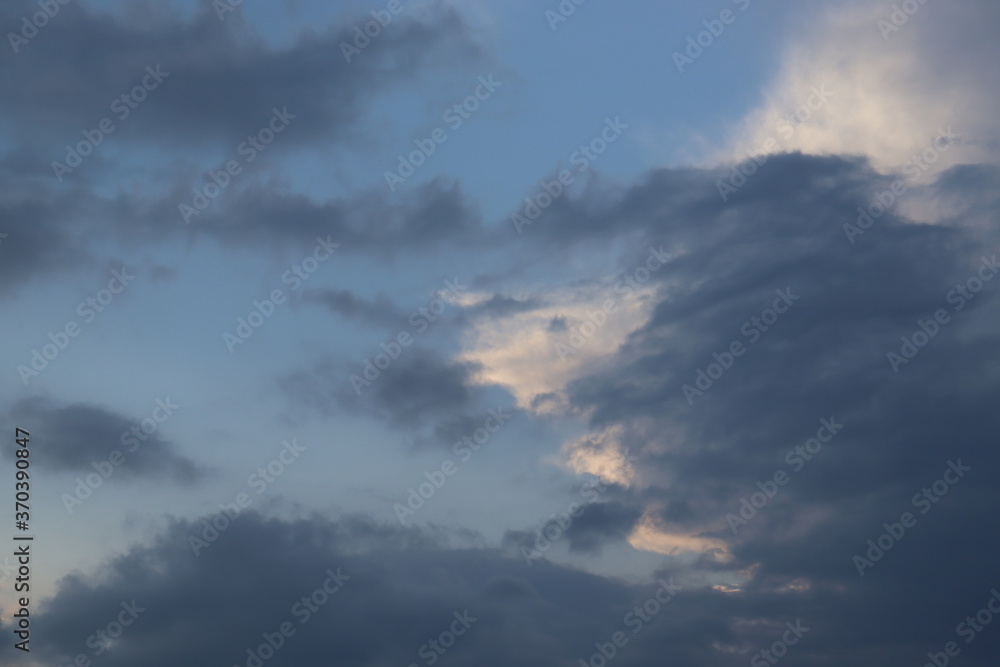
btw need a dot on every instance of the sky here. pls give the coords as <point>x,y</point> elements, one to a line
<point>416,332</point>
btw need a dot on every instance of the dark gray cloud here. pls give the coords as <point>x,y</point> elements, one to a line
<point>601,522</point>
<point>824,358</point>
<point>588,528</point>
<point>50,231</point>
<point>558,324</point>
<point>223,83</point>
<point>222,79</point>
<point>251,216</point>
<point>379,312</point>
<point>419,387</point>
<point>501,305</point>
<point>449,430</point>
<point>38,239</point>
<point>77,435</point>
<point>401,590</point>
<point>827,354</point>
<point>401,587</point>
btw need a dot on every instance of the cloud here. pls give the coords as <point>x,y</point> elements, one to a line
<point>76,435</point>
<point>221,84</point>
<point>366,222</point>
<point>519,349</point>
<point>887,90</point>
<point>412,582</point>
<point>845,303</point>
<point>650,532</point>
<point>600,523</point>
<point>602,454</point>
<point>38,239</point>
<point>418,388</point>
<point>388,582</point>
<point>222,79</point>
<point>824,358</point>
<point>378,312</point>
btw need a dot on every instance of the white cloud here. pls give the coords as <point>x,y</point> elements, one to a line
<point>539,352</point>
<point>889,96</point>
<point>601,454</point>
<point>650,535</point>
